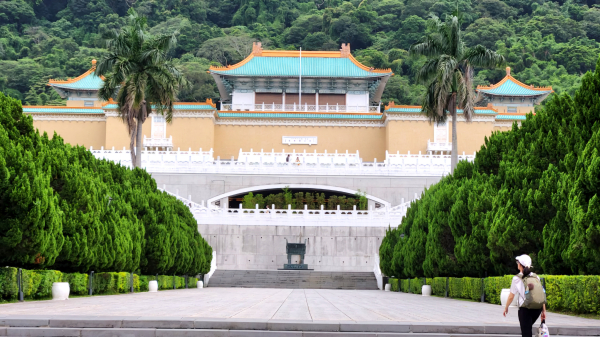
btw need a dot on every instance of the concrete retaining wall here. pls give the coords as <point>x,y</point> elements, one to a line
<point>263,247</point>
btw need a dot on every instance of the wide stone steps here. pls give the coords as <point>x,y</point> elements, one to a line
<point>293,279</point>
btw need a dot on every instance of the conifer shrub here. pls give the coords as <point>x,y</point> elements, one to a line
<point>62,208</point>
<point>532,190</point>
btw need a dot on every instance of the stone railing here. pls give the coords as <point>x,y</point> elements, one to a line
<point>158,142</point>
<point>299,108</point>
<point>295,158</point>
<point>438,146</point>
<point>300,163</point>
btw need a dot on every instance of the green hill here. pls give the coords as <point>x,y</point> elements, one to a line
<point>547,43</point>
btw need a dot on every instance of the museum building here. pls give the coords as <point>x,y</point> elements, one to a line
<point>313,101</point>
<point>305,121</point>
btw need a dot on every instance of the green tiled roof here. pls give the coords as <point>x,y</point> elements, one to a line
<point>89,82</point>
<point>459,111</point>
<point>176,106</point>
<point>511,88</point>
<point>290,66</point>
<point>514,117</point>
<point>300,116</point>
<point>64,110</point>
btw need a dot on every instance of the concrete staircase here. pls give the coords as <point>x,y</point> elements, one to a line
<point>293,279</point>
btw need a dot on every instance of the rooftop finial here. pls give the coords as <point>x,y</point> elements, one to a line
<point>507,71</point>
<point>93,62</point>
<point>345,50</point>
<point>257,48</point>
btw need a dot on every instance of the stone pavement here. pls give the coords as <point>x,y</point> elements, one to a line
<point>280,304</point>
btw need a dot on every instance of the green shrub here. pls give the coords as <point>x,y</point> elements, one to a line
<point>404,286</point>
<point>438,286</point>
<point>578,294</point>
<point>8,283</point>
<point>394,284</point>
<point>143,280</point>
<point>494,286</point>
<point>78,283</point>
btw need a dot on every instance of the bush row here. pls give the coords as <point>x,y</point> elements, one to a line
<point>37,284</point>
<point>577,294</point>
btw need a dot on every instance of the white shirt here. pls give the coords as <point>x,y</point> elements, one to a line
<point>517,287</point>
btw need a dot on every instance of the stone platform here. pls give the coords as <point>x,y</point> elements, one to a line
<point>276,312</point>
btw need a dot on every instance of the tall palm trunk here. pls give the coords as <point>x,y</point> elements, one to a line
<point>132,136</point>
<point>138,143</point>
<point>454,154</point>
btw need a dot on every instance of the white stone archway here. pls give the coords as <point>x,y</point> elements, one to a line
<point>253,189</point>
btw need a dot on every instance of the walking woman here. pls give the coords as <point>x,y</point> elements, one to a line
<point>531,296</point>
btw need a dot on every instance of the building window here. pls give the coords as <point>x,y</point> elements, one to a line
<point>159,127</point>
<point>512,109</point>
<point>88,103</point>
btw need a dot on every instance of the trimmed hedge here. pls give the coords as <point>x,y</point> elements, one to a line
<point>37,284</point>
<point>577,294</point>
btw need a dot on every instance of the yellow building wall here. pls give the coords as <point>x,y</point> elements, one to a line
<point>520,109</point>
<point>471,135</point>
<point>117,135</point>
<point>407,136</point>
<point>75,132</point>
<point>81,104</point>
<point>192,132</point>
<point>369,141</point>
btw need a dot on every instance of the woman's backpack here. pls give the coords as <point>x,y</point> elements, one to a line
<point>535,295</point>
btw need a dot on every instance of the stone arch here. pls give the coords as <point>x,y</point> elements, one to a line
<point>371,198</point>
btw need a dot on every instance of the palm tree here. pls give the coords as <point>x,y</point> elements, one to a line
<point>141,77</point>
<point>448,73</point>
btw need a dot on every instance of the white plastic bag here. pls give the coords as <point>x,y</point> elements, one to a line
<point>543,330</point>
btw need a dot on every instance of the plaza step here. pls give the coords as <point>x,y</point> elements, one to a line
<point>155,327</point>
<point>293,279</point>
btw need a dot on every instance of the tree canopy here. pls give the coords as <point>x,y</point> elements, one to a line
<point>62,207</point>
<point>546,43</point>
<point>532,190</point>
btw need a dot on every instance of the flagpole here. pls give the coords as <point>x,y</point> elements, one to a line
<point>300,82</point>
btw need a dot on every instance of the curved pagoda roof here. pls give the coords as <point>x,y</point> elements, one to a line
<point>286,63</point>
<point>85,81</point>
<point>510,86</point>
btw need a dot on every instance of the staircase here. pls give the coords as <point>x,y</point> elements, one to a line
<point>293,279</point>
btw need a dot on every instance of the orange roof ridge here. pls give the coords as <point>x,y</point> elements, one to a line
<point>57,107</point>
<point>485,108</point>
<point>230,67</point>
<point>519,83</point>
<point>344,52</point>
<point>369,69</point>
<point>80,77</point>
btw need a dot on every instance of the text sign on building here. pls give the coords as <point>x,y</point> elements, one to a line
<point>299,140</point>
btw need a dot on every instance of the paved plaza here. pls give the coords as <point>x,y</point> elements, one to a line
<point>315,305</point>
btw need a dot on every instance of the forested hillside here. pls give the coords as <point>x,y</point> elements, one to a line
<point>545,42</point>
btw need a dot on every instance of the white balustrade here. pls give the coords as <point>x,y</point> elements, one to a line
<point>299,108</point>
<point>438,147</point>
<point>295,217</point>
<point>158,142</point>
<point>335,164</point>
